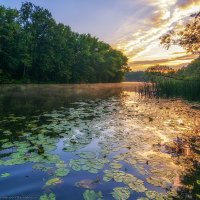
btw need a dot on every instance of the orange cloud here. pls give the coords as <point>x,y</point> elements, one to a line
<point>140,41</point>
<point>185,4</point>
<point>182,60</point>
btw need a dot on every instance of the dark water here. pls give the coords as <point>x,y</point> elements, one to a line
<point>100,141</point>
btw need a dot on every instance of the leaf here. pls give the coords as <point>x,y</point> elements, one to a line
<point>5,175</point>
<point>151,194</point>
<point>87,155</point>
<point>198,195</point>
<point>107,178</point>
<point>115,165</point>
<point>53,181</point>
<point>91,195</point>
<point>51,196</point>
<point>61,172</point>
<point>121,193</point>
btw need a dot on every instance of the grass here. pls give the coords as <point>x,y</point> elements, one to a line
<point>173,88</point>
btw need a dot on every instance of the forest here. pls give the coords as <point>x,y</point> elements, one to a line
<point>34,48</point>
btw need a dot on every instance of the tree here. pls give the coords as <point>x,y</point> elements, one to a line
<point>34,47</point>
<point>188,38</point>
<point>9,40</point>
<point>160,69</point>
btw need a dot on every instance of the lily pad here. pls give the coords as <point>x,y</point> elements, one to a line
<point>5,175</point>
<point>92,195</point>
<point>87,155</point>
<point>61,172</point>
<point>51,196</point>
<point>53,181</point>
<point>115,165</point>
<point>121,193</point>
<point>151,194</point>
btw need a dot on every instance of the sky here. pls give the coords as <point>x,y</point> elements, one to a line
<point>132,26</point>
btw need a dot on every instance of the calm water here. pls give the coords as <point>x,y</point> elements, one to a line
<point>100,141</point>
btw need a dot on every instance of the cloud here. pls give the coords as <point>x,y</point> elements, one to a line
<point>139,36</point>
<point>185,4</point>
<point>143,64</point>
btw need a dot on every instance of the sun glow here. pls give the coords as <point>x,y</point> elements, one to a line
<point>142,44</point>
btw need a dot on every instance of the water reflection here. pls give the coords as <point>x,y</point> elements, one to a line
<point>31,99</point>
<point>99,142</point>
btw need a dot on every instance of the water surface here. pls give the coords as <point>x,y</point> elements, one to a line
<point>98,141</point>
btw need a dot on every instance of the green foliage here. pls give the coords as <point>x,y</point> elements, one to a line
<point>51,196</point>
<point>34,48</point>
<point>92,195</point>
<point>53,181</point>
<point>191,72</point>
<point>172,88</point>
<point>184,83</point>
<point>5,175</point>
<point>188,37</point>
<point>121,193</point>
<point>139,76</point>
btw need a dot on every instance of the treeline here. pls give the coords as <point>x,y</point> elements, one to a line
<point>184,83</point>
<point>138,76</point>
<point>191,72</point>
<point>34,48</point>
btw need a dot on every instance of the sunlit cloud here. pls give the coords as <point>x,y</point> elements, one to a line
<point>185,4</point>
<point>177,62</point>
<point>140,41</point>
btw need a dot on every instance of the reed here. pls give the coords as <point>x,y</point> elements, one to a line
<point>172,88</point>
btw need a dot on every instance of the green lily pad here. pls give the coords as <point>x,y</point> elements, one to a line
<point>151,194</point>
<point>92,195</point>
<point>5,175</point>
<point>121,193</point>
<point>85,167</point>
<point>115,165</point>
<point>87,155</point>
<point>7,132</point>
<point>61,172</point>
<point>107,178</point>
<point>53,181</point>
<point>7,145</point>
<point>51,196</point>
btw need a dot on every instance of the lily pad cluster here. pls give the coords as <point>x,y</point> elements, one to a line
<point>88,162</point>
<point>50,196</point>
<point>92,195</point>
<point>128,179</point>
<point>121,193</point>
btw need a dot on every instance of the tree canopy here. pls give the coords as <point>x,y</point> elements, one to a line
<point>34,47</point>
<point>188,38</point>
<point>160,69</point>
